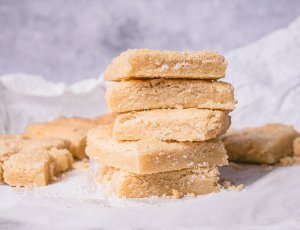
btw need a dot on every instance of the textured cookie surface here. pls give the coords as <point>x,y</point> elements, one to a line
<point>264,145</point>
<point>63,160</point>
<point>9,145</point>
<point>144,63</point>
<point>151,155</point>
<point>126,96</point>
<point>171,124</point>
<point>195,181</point>
<point>28,169</point>
<point>72,129</point>
<point>41,159</point>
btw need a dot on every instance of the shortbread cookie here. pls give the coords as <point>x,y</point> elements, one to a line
<point>151,155</point>
<point>134,95</point>
<point>171,124</point>
<point>297,147</point>
<point>144,63</point>
<point>28,169</point>
<point>72,129</point>
<point>58,148</point>
<point>263,145</point>
<point>193,181</point>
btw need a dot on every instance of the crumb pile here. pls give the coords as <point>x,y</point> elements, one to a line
<point>170,111</point>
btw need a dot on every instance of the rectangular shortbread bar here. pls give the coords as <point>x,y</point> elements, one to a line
<point>134,95</point>
<point>263,145</point>
<point>28,169</point>
<point>150,155</point>
<point>194,181</point>
<point>171,124</point>
<point>72,129</point>
<point>144,63</point>
<point>297,147</point>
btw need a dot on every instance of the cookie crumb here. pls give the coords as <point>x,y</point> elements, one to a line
<point>176,194</point>
<point>288,161</point>
<point>230,186</point>
<point>83,164</point>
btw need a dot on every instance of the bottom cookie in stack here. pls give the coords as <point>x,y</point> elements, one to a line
<point>191,181</point>
<point>150,167</point>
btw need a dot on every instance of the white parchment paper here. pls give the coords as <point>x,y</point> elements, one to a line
<point>266,77</point>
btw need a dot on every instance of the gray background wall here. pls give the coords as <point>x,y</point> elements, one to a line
<point>69,40</point>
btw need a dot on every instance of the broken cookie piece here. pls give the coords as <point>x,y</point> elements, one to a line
<point>171,124</point>
<point>16,149</point>
<point>192,181</point>
<point>144,63</point>
<point>126,96</point>
<point>262,145</point>
<point>151,155</point>
<point>28,169</point>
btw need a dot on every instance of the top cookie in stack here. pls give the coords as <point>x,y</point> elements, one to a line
<point>170,112</point>
<point>144,63</point>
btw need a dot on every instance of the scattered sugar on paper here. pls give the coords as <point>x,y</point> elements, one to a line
<point>76,184</point>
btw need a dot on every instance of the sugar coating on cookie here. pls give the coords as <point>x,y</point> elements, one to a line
<point>171,124</point>
<point>263,145</point>
<point>152,155</point>
<point>192,181</point>
<point>145,63</point>
<point>126,96</point>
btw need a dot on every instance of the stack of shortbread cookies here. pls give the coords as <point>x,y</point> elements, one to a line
<point>170,111</point>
